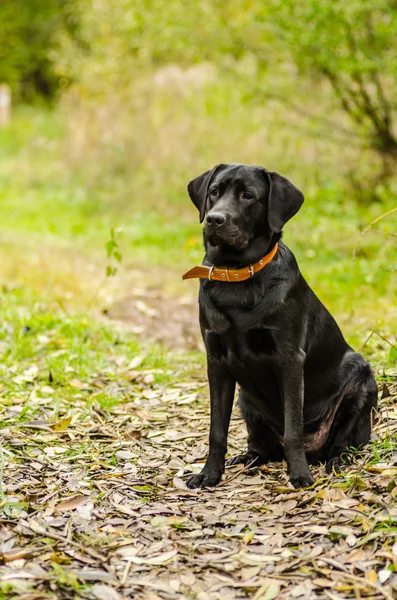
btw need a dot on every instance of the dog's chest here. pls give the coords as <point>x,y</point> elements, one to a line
<point>235,310</point>
<point>239,328</point>
<point>241,335</point>
<point>250,357</point>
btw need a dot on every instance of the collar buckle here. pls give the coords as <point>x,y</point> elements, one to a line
<point>251,271</point>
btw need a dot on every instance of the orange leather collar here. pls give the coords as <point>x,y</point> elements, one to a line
<point>231,275</point>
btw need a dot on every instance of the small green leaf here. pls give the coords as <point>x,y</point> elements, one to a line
<point>13,509</point>
<point>110,245</point>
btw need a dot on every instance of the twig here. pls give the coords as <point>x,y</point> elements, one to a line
<point>232,477</point>
<point>40,530</point>
<point>386,214</point>
<point>125,574</point>
<point>381,336</point>
<point>384,233</point>
<point>365,582</point>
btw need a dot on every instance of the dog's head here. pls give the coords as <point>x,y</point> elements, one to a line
<point>240,203</point>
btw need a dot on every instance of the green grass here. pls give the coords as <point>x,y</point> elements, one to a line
<point>51,361</point>
<point>60,358</point>
<point>47,205</point>
<point>76,389</point>
<point>56,219</point>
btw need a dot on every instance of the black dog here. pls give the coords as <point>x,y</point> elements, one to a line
<point>304,393</point>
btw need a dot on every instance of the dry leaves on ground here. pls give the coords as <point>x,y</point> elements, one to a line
<point>95,506</point>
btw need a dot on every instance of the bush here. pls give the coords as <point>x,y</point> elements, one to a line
<point>29,34</point>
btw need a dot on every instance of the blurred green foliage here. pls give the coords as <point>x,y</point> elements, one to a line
<point>351,45</point>
<point>155,92</point>
<point>30,32</point>
<point>57,206</point>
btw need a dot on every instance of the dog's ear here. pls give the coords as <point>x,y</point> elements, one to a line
<point>198,189</point>
<point>284,201</point>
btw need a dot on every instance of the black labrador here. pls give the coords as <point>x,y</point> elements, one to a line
<point>304,393</point>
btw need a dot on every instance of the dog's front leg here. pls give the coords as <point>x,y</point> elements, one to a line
<point>293,385</point>
<point>222,388</point>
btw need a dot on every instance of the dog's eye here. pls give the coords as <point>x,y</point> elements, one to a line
<point>246,196</point>
<point>214,193</point>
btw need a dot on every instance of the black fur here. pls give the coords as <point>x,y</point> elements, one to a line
<point>304,393</point>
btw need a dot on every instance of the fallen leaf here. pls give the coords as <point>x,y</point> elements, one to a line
<point>179,484</point>
<point>159,521</point>
<point>16,553</point>
<point>104,592</point>
<point>54,450</point>
<point>136,362</point>
<point>384,575</point>
<point>372,576</point>
<point>62,424</point>
<point>79,385</point>
<point>161,559</point>
<point>72,503</point>
<point>145,309</point>
<point>96,575</point>
<point>188,579</point>
<point>272,592</point>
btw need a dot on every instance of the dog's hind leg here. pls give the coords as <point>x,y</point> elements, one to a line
<point>263,444</point>
<point>353,422</point>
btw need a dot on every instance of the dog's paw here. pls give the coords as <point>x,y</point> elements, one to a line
<point>302,480</point>
<point>249,458</point>
<point>334,464</point>
<point>204,479</point>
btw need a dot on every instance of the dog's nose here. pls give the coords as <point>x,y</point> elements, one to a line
<point>215,218</point>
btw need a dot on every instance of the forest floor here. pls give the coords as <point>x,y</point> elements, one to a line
<point>99,433</point>
<point>104,409</point>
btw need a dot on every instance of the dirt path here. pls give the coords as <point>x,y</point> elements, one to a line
<point>155,316</point>
<point>114,519</point>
